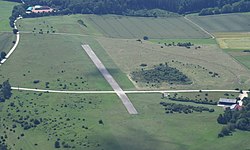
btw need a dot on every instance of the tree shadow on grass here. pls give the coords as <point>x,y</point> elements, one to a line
<point>138,139</point>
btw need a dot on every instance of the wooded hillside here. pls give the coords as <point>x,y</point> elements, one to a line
<point>124,6</point>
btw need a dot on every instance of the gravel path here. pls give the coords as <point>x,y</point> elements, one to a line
<point>121,94</point>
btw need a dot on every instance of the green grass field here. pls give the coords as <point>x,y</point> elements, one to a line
<point>73,119</point>
<point>5,11</point>
<point>151,129</point>
<point>6,41</point>
<point>223,23</point>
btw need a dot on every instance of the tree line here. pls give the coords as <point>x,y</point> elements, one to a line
<point>128,6</point>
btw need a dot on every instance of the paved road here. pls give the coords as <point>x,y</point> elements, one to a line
<point>121,94</point>
<point>15,45</point>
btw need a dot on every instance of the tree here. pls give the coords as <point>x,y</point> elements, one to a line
<point>6,89</point>
<point>243,124</point>
<point>225,131</point>
<point>57,144</point>
<point>2,55</point>
<point>226,8</point>
<point>101,122</point>
<point>221,119</point>
<point>15,31</point>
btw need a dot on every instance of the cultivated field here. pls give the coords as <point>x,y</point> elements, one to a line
<point>117,26</point>
<point>223,23</point>
<point>233,40</point>
<point>138,27</point>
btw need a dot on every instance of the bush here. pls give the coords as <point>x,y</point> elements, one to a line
<point>145,38</point>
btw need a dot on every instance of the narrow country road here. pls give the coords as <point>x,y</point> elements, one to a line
<point>127,92</point>
<point>121,94</point>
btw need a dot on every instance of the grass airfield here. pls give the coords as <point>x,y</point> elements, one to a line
<point>51,56</point>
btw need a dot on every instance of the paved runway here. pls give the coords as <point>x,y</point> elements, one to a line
<point>121,94</point>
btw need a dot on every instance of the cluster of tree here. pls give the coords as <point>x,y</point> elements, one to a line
<point>238,6</point>
<point>27,123</point>
<point>186,44</point>
<point>161,73</point>
<point>2,55</point>
<point>235,119</point>
<point>200,101</point>
<point>180,108</point>
<point>5,91</point>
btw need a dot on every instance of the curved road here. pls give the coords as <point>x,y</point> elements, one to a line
<point>15,45</point>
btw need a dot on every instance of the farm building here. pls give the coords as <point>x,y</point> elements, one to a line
<point>224,102</point>
<point>39,9</point>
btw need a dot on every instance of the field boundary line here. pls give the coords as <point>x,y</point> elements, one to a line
<point>210,34</point>
<point>15,45</point>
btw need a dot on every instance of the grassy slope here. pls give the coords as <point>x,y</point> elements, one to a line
<point>44,56</point>
<point>60,24</point>
<point>51,57</point>
<point>208,56</point>
<point>6,38</point>
<point>5,11</point>
<point>137,27</point>
<point>231,31</point>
